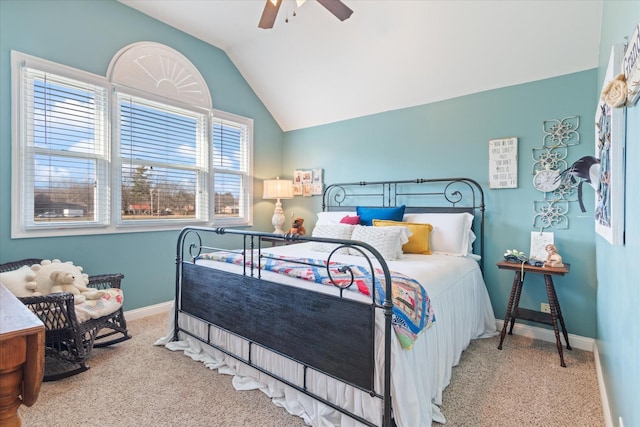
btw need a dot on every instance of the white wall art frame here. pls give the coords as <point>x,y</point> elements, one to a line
<point>503,163</point>
<point>610,151</point>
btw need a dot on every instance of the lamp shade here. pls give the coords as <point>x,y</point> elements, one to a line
<point>278,189</point>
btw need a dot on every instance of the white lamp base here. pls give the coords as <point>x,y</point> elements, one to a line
<point>278,218</point>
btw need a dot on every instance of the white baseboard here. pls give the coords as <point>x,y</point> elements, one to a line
<point>576,341</point>
<point>149,310</point>
<point>604,399</point>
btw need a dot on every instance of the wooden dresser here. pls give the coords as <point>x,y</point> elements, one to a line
<point>21,357</point>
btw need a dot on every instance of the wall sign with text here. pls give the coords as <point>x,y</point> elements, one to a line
<point>503,163</point>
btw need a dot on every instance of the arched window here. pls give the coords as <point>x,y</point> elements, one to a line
<point>141,149</point>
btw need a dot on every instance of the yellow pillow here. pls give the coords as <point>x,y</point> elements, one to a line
<point>418,241</point>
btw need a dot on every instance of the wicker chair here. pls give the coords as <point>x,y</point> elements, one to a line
<point>68,343</point>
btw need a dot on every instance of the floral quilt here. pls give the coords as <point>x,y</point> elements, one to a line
<point>412,310</point>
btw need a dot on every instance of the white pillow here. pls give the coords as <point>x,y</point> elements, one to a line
<point>386,240</point>
<point>16,282</point>
<point>332,217</point>
<point>450,234</point>
<point>331,231</point>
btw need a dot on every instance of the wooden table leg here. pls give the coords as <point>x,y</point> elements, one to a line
<point>559,311</point>
<point>13,353</point>
<point>516,303</point>
<point>507,317</point>
<point>553,305</point>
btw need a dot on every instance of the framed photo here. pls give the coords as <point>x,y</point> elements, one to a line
<point>307,182</point>
<point>297,182</point>
<point>539,241</point>
<point>609,151</point>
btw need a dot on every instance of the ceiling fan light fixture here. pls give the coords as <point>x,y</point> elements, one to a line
<point>271,7</point>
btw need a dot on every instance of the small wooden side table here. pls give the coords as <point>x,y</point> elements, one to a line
<point>514,312</point>
<point>21,357</point>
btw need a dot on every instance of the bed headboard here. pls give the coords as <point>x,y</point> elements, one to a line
<point>438,195</point>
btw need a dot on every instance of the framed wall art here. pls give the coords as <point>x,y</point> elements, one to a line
<point>609,151</point>
<point>503,163</point>
<point>307,182</point>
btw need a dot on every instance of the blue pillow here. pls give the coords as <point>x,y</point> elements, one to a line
<point>367,215</point>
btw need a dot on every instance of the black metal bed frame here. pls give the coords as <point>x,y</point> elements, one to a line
<point>448,195</point>
<point>287,320</point>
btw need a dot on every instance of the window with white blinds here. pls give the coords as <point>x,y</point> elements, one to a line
<point>92,159</point>
<point>64,157</point>
<point>231,164</point>
<point>163,155</point>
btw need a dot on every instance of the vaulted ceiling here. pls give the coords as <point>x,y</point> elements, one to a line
<point>315,69</point>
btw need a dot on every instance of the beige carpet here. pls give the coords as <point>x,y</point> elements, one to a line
<point>137,384</point>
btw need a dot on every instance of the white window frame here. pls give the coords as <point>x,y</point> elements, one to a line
<point>201,168</point>
<point>108,167</point>
<point>246,172</point>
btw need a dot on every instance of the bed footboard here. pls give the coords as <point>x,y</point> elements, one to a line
<point>318,331</point>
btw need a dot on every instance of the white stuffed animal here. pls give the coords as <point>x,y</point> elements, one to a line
<point>54,276</point>
<point>66,282</point>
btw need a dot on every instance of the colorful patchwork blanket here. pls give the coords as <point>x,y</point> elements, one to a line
<point>412,310</point>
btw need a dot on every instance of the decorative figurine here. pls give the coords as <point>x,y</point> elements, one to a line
<point>553,257</point>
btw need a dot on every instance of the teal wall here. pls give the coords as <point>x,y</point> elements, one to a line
<point>85,35</point>
<point>618,267</point>
<point>448,138</point>
<point>451,139</point>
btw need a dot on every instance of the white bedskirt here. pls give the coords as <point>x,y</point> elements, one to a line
<point>463,312</point>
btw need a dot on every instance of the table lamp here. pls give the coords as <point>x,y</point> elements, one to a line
<point>278,189</point>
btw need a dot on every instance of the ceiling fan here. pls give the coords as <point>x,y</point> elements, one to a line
<point>271,7</point>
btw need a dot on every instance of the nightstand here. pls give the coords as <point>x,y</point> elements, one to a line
<point>514,312</point>
<point>279,242</point>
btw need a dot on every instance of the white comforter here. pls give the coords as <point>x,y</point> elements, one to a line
<point>463,312</point>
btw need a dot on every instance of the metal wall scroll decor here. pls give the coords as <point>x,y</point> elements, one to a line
<point>549,161</point>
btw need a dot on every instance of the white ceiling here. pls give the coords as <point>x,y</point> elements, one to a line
<point>390,54</point>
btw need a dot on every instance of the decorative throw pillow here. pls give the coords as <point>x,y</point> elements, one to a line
<point>352,220</point>
<point>331,231</point>
<point>386,240</point>
<point>325,218</point>
<point>16,281</point>
<point>418,241</point>
<point>450,234</point>
<point>367,215</point>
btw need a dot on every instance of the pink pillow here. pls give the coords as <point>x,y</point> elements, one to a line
<point>351,220</point>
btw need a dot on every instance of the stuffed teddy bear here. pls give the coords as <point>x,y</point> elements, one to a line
<point>297,227</point>
<point>43,281</point>
<point>66,282</point>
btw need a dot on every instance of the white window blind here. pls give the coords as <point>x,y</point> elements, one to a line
<point>231,165</point>
<point>90,156</point>
<point>163,152</point>
<point>63,151</point>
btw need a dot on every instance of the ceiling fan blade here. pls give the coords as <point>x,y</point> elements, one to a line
<point>339,9</point>
<point>269,14</point>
